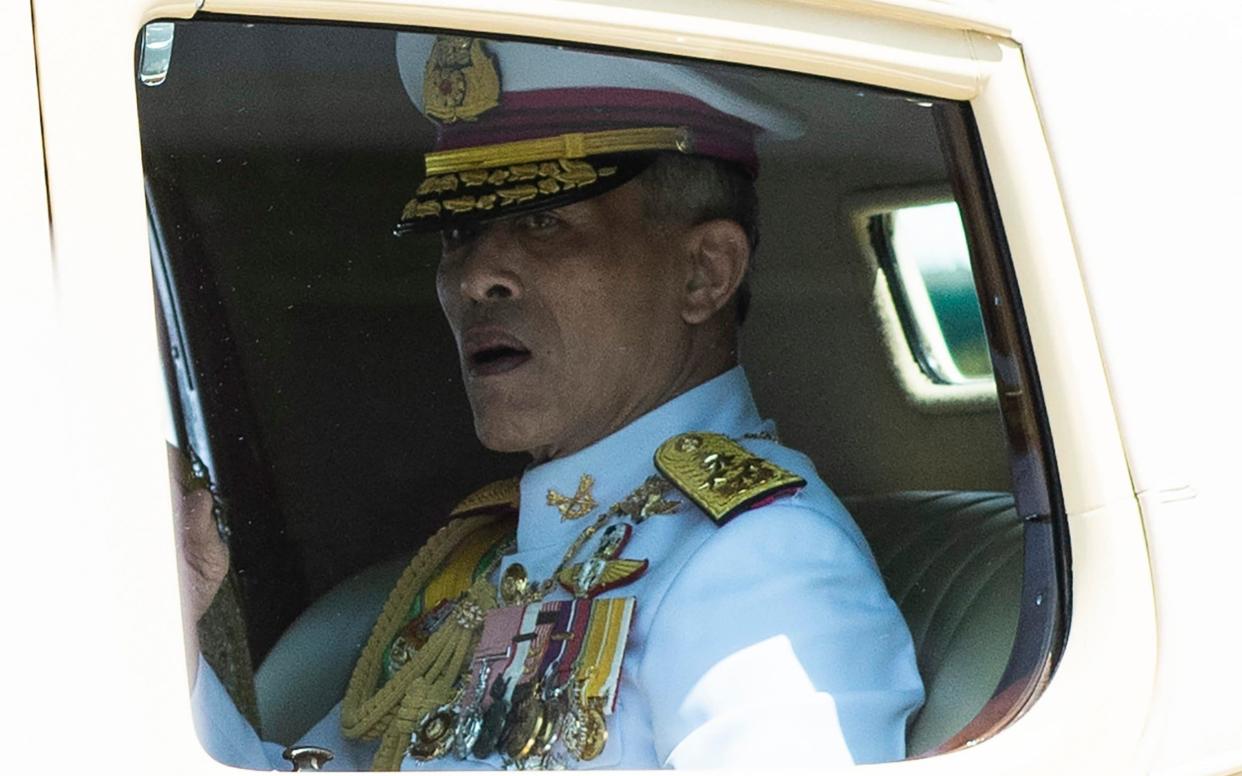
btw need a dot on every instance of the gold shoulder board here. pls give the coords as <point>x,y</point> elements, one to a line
<point>722,477</point>
<point>502,494</point>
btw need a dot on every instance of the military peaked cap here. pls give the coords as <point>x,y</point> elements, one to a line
<point>526,126</point>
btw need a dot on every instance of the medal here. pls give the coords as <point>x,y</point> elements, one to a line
<point>586,732</point>
<point>492,724</point>
<point>559,664</point>
<point>513,585</point>
<point>434,735</point>
<point>466,734</point>
<point>593,734</point>
<point>469,716</point>
<point>528,725</point>
<point>536,720</point>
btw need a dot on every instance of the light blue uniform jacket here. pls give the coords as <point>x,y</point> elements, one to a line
<point>768,642</point>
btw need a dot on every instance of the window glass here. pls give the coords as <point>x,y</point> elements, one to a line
<point>932,280</point>
<point>316,383</point>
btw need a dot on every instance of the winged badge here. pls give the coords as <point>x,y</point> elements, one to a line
<point>597,575</point>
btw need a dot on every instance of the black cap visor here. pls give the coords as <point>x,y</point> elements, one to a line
<point>486,194</point>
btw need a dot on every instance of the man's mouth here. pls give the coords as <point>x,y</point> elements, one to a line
<point>492,352</point>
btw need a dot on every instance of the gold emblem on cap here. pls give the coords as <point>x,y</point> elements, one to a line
<point>461,81</point>
<point>720,475</point>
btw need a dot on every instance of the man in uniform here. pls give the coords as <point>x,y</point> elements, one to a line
<point>665,584</point>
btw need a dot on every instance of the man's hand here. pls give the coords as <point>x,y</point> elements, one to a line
<point>202,557</point>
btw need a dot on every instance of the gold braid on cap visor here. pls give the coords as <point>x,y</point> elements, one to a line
<point>524,170</point>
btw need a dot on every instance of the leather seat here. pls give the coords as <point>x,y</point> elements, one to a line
<point>953,562</point>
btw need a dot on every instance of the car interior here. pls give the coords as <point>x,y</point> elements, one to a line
<point>311,373</point>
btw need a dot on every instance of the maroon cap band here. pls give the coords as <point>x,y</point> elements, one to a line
<point>540,113</point>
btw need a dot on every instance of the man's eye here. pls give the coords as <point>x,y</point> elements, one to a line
<point>541,221</point>
<point>455,236</point>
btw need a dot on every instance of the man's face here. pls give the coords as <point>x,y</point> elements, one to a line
<point>568,321</point>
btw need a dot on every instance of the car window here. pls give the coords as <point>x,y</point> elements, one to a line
<point>315,380</point>
<point>927,267</point>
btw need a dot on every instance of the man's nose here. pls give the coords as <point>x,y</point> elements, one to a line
<point>489,269</point>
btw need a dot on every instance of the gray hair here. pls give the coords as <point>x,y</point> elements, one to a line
<point>689,190</point>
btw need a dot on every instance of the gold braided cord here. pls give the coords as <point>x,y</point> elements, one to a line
<point>450,655</point>
<point>362,709</point>
<point>502,493</point>
<point>574,145</point>
<point>457,573</point>
<point>425,681</point>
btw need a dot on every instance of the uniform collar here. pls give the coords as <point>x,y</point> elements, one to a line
<point>620,462</point>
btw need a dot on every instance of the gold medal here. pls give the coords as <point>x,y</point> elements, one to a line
<point>527,723</point>
<point>594,734</point>
<point>513,584</point>
<point>533,729</point>
<point>586,732</point>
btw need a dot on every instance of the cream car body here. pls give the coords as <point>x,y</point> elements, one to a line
<point>1109,135</point>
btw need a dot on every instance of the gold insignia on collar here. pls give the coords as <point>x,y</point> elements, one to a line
<point>460,82</point>
<point>578,505</point>
<point>647,500</point>
<point>719,475</point>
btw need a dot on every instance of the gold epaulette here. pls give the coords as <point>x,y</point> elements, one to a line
<point>723,478</point>
<point>502,494</point>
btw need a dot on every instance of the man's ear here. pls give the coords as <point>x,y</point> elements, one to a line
<point>719,254</point>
